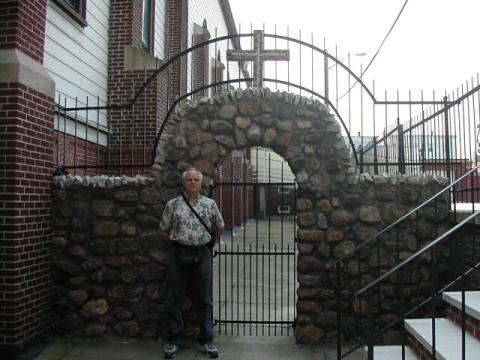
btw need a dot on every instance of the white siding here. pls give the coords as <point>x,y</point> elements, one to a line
<point>77,57</point>
<point>269,166</point>
<point>211,11</point>
<point>159,29</point>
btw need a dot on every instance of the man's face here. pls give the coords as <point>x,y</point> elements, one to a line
<point>192,182</point>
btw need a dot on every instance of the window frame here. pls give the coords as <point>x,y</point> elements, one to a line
<point>151,45</point>
<point>78,15</point>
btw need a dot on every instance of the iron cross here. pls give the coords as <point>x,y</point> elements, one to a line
<point>259,55</point>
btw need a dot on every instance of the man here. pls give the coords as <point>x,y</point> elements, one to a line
<point>191,260</point>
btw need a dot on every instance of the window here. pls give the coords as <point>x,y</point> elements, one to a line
<point>147,25</point>
<point>76,9</point>
<point>283,209</point>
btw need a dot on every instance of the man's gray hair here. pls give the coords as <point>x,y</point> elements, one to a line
<point>184,174</point>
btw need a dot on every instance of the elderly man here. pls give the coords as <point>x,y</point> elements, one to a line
<point>191,260</point>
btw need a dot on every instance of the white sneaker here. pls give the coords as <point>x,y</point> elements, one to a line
<point>210,350</point>
<point>170,351</point>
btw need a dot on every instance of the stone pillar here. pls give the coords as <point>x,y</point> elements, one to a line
<point>26,153</point>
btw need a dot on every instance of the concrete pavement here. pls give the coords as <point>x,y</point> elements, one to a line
<point>230,348</point>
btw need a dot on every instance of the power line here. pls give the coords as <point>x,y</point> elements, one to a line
<point>378,50</point>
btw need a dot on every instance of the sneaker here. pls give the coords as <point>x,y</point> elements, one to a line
<point>210,350</point>
<point>170,351</point>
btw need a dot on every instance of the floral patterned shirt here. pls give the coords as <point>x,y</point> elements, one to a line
<point>183,226</point>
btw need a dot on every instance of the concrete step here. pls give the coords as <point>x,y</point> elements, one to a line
<point>472,302</point>
<point>392,353</point>
<point>448,338</point>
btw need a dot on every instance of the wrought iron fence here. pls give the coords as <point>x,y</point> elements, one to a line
<point>415,135</point>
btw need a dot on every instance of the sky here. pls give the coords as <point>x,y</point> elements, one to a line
<point>434,45</point>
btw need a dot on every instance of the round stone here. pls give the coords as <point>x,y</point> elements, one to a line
<point>96,330</point>
<point>310,235</point>
<point>92,264</point>
<point>222,126</point>
<point>334,236</point>
<point>127,329</point>
<point>269,136</point>
<point>210,152</point>
<point>227,111</point>
<point>248,106</point>
<point>60,242</point>
<point>103,208</point>
<point>106,229</point>
<point>128,229</point>
<point>78,296</point>
<point>94,308</point>
<point>369,214</point>
<point>325,206</point>
<point>254,133</point>
<point>308,334</point>
<point>205,167</point>
<point>342,218</point>
<point>304,204</point>
<point>242,122</point>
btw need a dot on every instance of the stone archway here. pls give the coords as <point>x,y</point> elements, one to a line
<point>300,130</point>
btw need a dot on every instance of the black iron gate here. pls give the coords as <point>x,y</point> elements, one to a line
<point>255,262</point>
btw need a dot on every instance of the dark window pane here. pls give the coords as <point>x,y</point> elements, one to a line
<point>147,25</point>
<point>73,3</point>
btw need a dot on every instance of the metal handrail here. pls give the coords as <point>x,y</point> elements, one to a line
<point>417,254</point>
<point>381,232</point>
<point>362,342</point>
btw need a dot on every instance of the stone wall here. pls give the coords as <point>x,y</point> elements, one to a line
<point>109,261</point>
<point>331,226</point>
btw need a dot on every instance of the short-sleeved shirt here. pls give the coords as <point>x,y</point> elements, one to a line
<point>183,226</point>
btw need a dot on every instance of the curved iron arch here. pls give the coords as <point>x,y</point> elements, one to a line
<point>236,36</point>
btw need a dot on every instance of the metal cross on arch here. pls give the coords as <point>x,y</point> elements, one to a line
<point>258,55</point>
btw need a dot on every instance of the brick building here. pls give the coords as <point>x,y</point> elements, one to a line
<point>58,59</point>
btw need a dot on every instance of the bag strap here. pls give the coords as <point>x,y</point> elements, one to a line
<point>197,215</point>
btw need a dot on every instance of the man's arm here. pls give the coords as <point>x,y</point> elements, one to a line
<point>217,233</point>
<point>164,234</point>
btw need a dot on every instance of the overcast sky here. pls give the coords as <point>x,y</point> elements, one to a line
<point>434,46</point>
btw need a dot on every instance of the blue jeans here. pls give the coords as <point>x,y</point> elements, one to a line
<point>181,277</point>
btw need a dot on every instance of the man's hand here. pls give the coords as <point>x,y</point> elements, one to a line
<point>164,234</point>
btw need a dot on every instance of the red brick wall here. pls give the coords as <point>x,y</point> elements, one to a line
<point>26,156</point>
<point>22,26</point>
<point>134,128</point>
<point>25,184</point>
<point>472,325</point>
<point>174,11</point>
<point>71,151</point>
<point>200,63</point>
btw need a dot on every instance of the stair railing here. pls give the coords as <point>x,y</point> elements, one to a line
<point>388,249</point>
<point>459,279</point>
